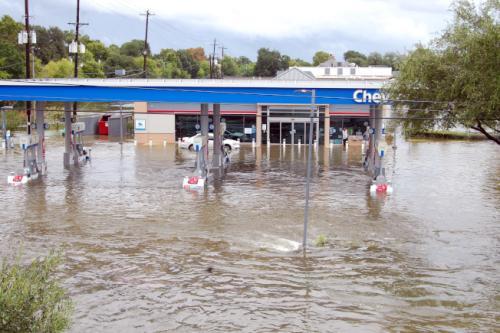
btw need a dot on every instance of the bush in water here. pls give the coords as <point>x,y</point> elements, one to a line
<point>31,299</point>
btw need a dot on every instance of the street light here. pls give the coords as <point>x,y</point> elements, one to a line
<point>309,161</point>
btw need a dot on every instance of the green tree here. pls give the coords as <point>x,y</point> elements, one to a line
<point>119,61</point>
<point>187,63</point>
<point>459,71</point>
<point>229,66</point>
<point>319,57</point>
<point>50,44</point>
<point>62,68</point>
<point>32,299</point>
<point>356,57</point>
<point>90,67</point>
<point>98,49</point>
<point>270,62</point>
<point>392,59</point>
<point>246,67</point>
<point>11,55</point>
<point>298,63</point>
<point>375,59</point>
<point>134,48</point>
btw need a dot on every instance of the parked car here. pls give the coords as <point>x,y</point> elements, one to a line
<point>237,135</point>
<point>229,144</point>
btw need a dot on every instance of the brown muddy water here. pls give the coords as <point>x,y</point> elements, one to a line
<point>143,255</point>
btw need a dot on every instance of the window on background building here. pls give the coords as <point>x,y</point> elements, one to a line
<point>353,71</point>
<point>327,71</point>
<point>340,71</point>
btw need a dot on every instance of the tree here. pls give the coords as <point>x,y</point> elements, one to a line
<point>375,59</point>
<point>119,61</point>
<point>62,68</point>
<point>50,44</point>
<point>392,59</point>
<point>458,71</point>
<point>270,62</point>
<point>320,57</point>
<point>32,297</point>
<point>134,48</point>
<point>356,57</point>
<point>188,63</point>
<point>298,63</point>
<point>11,57</point>
<point>229,66</point>
<point>98,49</point>
<point>198,54</point>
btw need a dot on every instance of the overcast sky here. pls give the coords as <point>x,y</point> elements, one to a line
<point>295,28</point>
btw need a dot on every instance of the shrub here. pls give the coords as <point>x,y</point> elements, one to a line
<point>31,299</point>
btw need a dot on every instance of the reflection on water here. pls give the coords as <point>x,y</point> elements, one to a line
<point>144,255</point>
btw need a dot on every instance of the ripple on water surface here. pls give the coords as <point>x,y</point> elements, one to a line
<point>143,255</point>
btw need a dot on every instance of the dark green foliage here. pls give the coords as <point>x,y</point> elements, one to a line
<point>31,299</point>
<point>134,48</point>
<point>459,71</point>
<point>320,57</point>
<point>356,57</point>
<point>270,62</point>
<point>50,44</point>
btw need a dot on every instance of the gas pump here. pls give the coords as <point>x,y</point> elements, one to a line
<point>199,180</point>
<point>225,154</point>
<point>30,167</point>
<point>380,184</point>
<point>81,154</point>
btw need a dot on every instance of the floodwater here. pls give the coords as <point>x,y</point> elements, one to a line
<point>143,255</point>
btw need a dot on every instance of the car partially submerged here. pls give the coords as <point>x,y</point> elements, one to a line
<point>228,144</point>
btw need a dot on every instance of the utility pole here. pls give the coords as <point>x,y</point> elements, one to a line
<point>145,51</point>
<point>77,41</point>
<point>222,48</point>
<point>28,63</point>
<point>212,72</point>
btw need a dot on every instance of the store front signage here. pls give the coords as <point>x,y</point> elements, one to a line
<point>363,96</point>
<point>140,124</point>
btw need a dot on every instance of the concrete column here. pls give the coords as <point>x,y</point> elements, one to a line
<point>378,125</point>
<point>204,129</point>
<point>216,163</point>
<point>317,124</point>
<point>68,108</point>
<point>327,127</point>
<point>40,130</point>
<point>258,125</point>
<point>268,129</point>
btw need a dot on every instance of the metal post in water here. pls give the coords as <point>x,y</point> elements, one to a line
<point>40,129</point>
<point>309,162</point>
<point>121,129</point>
<point>4,129</point>
<point>121,123</point>
<point>67,134</point>
<point>217,151</point>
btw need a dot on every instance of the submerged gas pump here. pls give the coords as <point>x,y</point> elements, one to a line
<point>199,180</point>
<point>30,167</point>
<point>380,184</point>
<point>81,154</point>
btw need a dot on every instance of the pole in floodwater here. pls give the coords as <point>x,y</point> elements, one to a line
<point>309,164</point>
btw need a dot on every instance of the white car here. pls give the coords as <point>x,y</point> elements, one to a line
<point>229,144</point>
